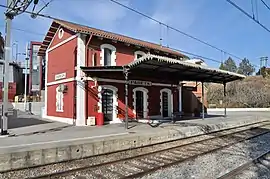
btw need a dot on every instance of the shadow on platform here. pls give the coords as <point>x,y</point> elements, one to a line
<point>24,122</point>
<point>23,119</point>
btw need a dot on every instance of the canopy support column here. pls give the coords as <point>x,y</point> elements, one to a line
<point>180,97</point>
<point>126,96</point>
<point>225,102</point>
<point>202,100</point>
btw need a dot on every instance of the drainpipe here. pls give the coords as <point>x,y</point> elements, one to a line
<point>86,82</point>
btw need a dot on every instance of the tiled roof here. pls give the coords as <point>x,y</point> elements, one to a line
<point>113,36</point>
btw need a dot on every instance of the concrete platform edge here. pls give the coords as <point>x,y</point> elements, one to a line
<point>21,157</point>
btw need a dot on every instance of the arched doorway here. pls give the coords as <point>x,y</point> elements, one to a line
<point>107,104</point>
<point>166,103</point>
<point>140,102</point>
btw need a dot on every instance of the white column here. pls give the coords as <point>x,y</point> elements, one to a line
<point>46,81</point>
<point>180,96</point>
<point>80,87</point>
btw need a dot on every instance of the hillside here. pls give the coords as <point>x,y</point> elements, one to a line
<point>253,92</point>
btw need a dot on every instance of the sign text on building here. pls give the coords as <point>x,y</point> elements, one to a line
<point>60,76</point>
<point>140,83</point>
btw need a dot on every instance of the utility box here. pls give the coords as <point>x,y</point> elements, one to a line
<point>91,121</point>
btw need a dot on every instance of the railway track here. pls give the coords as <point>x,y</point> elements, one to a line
<point>140,165</point>
<point>263,160</point>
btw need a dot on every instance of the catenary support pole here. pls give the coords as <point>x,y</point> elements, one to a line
<point>225,102</point>
<point>4,126</point>
<point>202,100</point>
<point>25,78</point>
<point>126,97</point>
<point>180,97</point>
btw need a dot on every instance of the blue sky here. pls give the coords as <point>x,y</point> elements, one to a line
<point>216,22</point>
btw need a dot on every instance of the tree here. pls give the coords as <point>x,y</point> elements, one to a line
<point>229,65</point>
<point>264,72</point>
<point>222,66</point>
<point>246,68</point>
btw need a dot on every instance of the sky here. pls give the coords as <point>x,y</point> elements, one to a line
<point>216,22</point>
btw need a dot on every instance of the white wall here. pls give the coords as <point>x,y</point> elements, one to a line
<point>35,107</point>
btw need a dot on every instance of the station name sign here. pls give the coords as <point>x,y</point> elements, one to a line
<point>140,83</point>
<point>60,76</point>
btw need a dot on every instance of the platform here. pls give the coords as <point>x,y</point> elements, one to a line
<point>54,142</point>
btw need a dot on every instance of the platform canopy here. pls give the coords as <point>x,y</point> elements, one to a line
<point>160,67</point>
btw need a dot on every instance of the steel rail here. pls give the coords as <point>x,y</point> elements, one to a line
<point>243,167</point>
<point>146,171</point>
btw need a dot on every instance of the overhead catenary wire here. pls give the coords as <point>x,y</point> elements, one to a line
<point>45,5</point>
<point>175,29</point>
<point>24,30</point>
<point>265,4</point>
<point>247,14</point>
<point>182,51</point>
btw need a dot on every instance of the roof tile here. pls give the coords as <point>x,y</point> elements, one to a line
<point>101,33</point>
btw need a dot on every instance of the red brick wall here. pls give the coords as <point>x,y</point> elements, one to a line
<point>56,40</point>
<point>193,98</point>
<point>92,99</point>
<point>62,60</point>
<point>175,99</point>
<point>68,101</point>
<point>11,91</point>
<point>124,53</point>
<point>153,99</point>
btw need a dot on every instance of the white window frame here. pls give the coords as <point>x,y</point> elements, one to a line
<point>115,101</point>
<point>59,100</point>
<point>138,53</point>
<point>145,100</point>
<point>113,55</point>
<point>170,101</point>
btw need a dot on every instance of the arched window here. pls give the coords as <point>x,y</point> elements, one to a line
<point>108,55</point>
<point>59,100</point>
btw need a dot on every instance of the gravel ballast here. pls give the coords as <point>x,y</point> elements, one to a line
<point>214,165</point>
<point>260,169</point>
<point>106,158</point>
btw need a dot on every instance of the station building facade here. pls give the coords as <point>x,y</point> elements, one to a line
<point>73,96</point>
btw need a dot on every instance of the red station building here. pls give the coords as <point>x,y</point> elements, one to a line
<point>91,71</point>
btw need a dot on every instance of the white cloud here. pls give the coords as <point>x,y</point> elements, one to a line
<point>180,14</point>
<point>100,13</point>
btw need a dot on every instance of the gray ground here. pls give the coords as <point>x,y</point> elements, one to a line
<point>32,129</point>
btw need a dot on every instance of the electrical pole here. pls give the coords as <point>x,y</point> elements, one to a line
<point>25,78</point>
<point>15,7</point>
<point>263,63</point>
<point>4,125</point>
